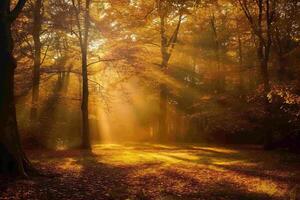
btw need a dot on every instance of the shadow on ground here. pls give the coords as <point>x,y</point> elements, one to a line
<point>154,171</point>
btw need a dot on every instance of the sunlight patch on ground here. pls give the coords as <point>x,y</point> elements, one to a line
<point>135,157</point>
<point>179,169</point>
<point>70,164</point>
<point>267,187</point>
<point>215,149</point>
<point>212,158</point>
<point>187,160</point>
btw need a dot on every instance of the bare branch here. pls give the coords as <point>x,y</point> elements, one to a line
<point>105,60</point>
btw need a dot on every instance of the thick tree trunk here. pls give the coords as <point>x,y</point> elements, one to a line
<point>12,158</point>
<point>37,26</point>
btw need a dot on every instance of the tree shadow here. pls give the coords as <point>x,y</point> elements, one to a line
<point>94,180</point>
<point>173,185</point>
<point>89,175</point>
<point>261,173</point>
<point>234,162</point>
<point>221,189</point>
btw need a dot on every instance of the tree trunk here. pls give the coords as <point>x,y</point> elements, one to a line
<point>12,157</point>
<point>240,50</point>
<point>166,48</point>
<point>163,105</point>
<point>265,74</point>
<point>84,104</point>
<point>163,94</point>
<point>216,40</point>
<point>281,66</point>
<point>85,85</point>
<point>263,55</point>
<point>280,55</point>
<point>37,26</point>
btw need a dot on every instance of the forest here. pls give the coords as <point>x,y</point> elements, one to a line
<point>149,99</point>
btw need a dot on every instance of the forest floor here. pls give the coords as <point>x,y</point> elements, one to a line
<point>162,172</point>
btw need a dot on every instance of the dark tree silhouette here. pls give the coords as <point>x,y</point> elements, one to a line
<point>12,157</point>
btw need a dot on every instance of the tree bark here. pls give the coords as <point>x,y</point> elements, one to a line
<point>216,39</point>
<point>12,157</point>
<point>83,36</point>
<point>240,51</point>
<point>85,104</point>
<point>85,85</point>
<point>163,94</point>
<point>263,55</point>
<point>163,106</point>
<point>264,8</point>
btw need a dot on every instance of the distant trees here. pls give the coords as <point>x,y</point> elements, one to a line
<point>286,29</point>
<point>195,36</point>
<point>166,46</point>
<point>261,16</point>
<point>167,12</point>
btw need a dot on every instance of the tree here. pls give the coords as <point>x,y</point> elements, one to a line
<point>261,15</point>
<point>12,157</point>
<point>167,46</point>
<point>36,33</point>
<point>285,31</point>
<point>83,36</point>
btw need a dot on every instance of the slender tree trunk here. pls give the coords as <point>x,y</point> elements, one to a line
<point>265,18</point>
<point>241,68</point>
<point>281,66</point>
<point>85,86</point>
<point>37,26</point>
<point>163,105</point>
<point>216,38</point>
<point>166,51</point>
<point>268,140</point>
<point>263,55</point>
<point>265,74</point>
<point>12,157</point>
<point>280,54</point>
<point>163,94</point>
<point>85,104</point>
<point>240,50</point>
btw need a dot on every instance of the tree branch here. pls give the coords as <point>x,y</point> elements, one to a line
<point>16,11</point>
<point>105,60</point>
